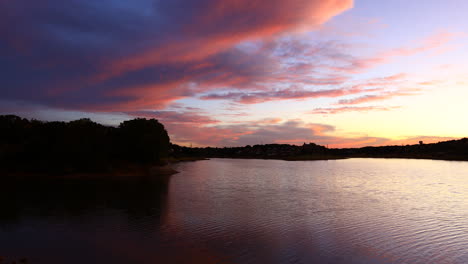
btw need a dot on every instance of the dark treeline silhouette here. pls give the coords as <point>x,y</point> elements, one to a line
<point>447,150</point>
<point>268,151</point>
<point>32,146</point>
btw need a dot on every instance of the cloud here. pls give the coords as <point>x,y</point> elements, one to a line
<point>140,57</point>
<point>376,97</point>
<point>431,83</point>
<point>265,131</point>
<point>176,117</point>
<point>346,109</point>
<point>111,55</point>
<point>269,121</point>
<point>433,42</point>
<point>436,43</point>
<point>117,56</point>
<point>251,133</point>
<point>298,93</point>
<point>288,132</point>
<point>192,126</point>
<point>207,27</point>
<point>268,131</point>
<point>285,94</point>
<point>205,136</point>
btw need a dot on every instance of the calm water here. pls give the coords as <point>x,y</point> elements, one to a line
<point>247,211</point>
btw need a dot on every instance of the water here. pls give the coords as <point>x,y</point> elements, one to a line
<point>247,211</point>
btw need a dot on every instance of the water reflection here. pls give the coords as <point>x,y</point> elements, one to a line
<point>136,197</point>
<point>85,220</point>
<point>246,211</point>
<point>345,211</point>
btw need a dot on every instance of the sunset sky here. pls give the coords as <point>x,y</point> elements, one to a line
<point>237,72</point>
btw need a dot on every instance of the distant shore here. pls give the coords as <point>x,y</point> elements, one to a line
<point>379,157</point>
<point>312,158</point>
<point>456,150</point>
<point>161,171</point>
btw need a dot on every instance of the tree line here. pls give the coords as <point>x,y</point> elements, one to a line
<point>446,150</point>
<point>79,146</point>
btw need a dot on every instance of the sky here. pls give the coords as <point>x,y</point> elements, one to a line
<point>339,73</point>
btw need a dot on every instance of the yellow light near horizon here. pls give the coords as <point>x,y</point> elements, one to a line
<point>439,112</point>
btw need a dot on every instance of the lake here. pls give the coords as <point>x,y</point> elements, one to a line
<point>246,211</point>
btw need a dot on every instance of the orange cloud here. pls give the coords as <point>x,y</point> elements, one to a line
<point>269,121</point>
<point>220,25</point>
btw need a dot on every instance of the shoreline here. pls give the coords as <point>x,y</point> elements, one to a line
<point>161,172</point>
<point>165,171</point>
<point>154,171</point>
<point>339,158</point>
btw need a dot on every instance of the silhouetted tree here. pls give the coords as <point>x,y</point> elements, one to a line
<point>143,140</point>
<point>78,146</point>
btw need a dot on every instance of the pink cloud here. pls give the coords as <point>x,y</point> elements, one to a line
<point>227,23</point>
<point>177,117</point>
<point>185,134</point>
<point>287,132</point>
<point>346,109</point>
<point>259,97</point>
<point>297,93</point>
<point>320,129</point>
<point>431,43</point>
<point>105,58</point>
<point>376,97</point>
<point>269,121</point>
<point>435,43</point>
<point>263,132</point>
<point>247,49</point>
<point>285,94</point>
<point>431,83</point>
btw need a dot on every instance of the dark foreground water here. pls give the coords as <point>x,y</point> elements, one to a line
<point>246,211</point>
